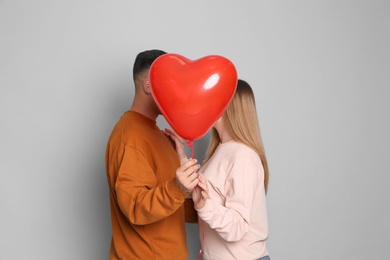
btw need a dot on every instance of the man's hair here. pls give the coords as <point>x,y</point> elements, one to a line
<point>144,60</point>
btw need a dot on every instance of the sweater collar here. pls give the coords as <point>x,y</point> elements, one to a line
<point>141,118</point>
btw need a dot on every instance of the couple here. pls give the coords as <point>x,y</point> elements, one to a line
<point>149,181</point>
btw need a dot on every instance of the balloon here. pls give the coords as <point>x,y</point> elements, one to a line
<point>192,94</point>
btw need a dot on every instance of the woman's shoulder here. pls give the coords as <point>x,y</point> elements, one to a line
<point>241,150</point>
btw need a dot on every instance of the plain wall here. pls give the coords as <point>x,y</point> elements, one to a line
<point>320,73</point>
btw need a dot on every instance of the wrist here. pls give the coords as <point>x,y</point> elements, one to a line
<point>182,188</point>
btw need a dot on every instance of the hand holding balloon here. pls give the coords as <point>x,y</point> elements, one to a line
<point>187,176</point>
<point>178,144</point>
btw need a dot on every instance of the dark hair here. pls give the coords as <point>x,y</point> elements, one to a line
<point>144,60</point>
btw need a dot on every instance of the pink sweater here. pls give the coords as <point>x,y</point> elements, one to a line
<point>233,224</point>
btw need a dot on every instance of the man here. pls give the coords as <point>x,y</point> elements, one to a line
<point>147,185</point>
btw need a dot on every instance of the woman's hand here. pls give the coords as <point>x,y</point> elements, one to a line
<point>200,192</point>
<point>178,144</point>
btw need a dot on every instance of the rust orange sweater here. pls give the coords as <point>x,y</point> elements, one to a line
<point>147,212</point>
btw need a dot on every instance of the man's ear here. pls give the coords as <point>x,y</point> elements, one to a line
<point>146,86</point>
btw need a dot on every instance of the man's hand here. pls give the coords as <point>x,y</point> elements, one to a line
<point>187,176</point>
<point>177,142</point>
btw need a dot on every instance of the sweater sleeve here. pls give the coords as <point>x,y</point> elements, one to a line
<point>232,220</point>
<point>139,197</point>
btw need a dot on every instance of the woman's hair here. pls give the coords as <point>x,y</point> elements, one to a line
<point>241,123</point>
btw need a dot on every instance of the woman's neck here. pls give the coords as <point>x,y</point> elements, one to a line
<point>224,136</point>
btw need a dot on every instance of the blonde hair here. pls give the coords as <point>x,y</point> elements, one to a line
<point>241,123</point>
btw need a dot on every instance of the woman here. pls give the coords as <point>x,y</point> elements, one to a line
<point>231,203</point>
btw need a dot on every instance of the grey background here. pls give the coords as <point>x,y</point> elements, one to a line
<point>320,71</point>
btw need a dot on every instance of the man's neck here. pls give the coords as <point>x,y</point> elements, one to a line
<point>144,111</point>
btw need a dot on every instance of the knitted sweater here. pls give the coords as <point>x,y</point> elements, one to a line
<point>147,213</point>
<point>233,223</point>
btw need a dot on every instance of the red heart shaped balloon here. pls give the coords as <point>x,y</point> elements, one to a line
<point>192,94</point>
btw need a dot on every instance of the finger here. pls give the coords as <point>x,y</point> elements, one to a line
<point>204,189</point>
<point>195,193</point>
<point>202,177</point>
<point>193,184</point>
<point>173,134</point>
<point>169,130</point>
<point>196,167</point>
<point>188,164</point>
<point>189,174</point>
<point>166,132</point>
<point>177,139</point>
<point>203,180</point>
<point>193,177</point>
<point>189,186</point>
<point>202,185</point>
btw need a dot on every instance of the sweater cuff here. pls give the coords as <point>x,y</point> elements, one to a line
<point>206,211</point>
<point>175,191</point>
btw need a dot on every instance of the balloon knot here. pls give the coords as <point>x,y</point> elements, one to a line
<point>190,144</point>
